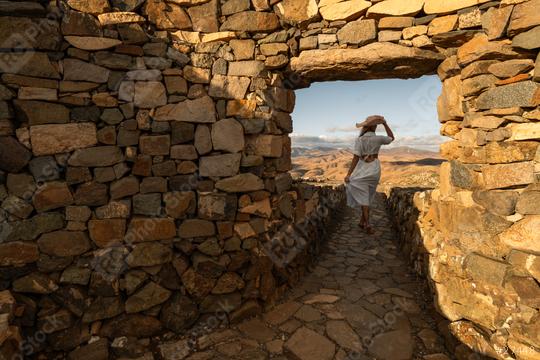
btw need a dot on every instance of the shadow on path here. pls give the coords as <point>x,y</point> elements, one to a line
<point>361,301</point>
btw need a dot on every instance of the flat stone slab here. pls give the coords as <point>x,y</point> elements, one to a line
<point>373,61</point>
<point>306,344</point>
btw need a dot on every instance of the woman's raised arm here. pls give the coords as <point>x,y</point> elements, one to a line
<point>388,130</point>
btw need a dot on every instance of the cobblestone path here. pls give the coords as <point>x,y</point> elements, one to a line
<point>360,302</point>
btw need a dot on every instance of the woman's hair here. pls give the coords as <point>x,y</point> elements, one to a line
<point>366,129</point>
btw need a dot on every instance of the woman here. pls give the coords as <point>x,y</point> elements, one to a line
<point>365,172</point>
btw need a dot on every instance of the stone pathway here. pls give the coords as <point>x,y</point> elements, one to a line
<point>360,302</point>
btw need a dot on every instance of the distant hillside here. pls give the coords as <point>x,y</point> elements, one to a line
<point>402,166</point>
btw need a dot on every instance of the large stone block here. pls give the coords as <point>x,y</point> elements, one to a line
<point>250,68</point>
<point>527,131</point>
<point>150,94</point>
<point>507,175</point>
<point>480,48</point>
<point>18,253</point>
<point>96,156</point>
<point>241,183</point>
<point>13,155</point>
<point>521,94</point>
<point>229,87</point>
<point>204,17</point>
<point>344,10</point>
<point>495,21</point>
<point>501,203</point>
<point>77,70</point>
<point>201,110</point>
<point>297,11</point>
<point>528,40</point>
<point>52,195</point>
<point>251,21</point>
<point>358,64</point>
<point>444,7</point>
<point>150,229</point>
<point>359,32</point>
<point>396,8</point>
<point>529,201</point>
<point>486,270</point>
<point>193,228</point>
<point>449,104</point>
<point>167,15</point>
<point>524,235</point>
<point>107,233</point>
<point>220,165</point>
<point>228,135</point>
<point>39,113</point>
<point>524,17</point>
<point>80,24</point>
<point>56,138</point>
<point>307,344</point>
<point>511,68</point>
<point>155,144</point>
<point>64,243</point>
<point>235,6</point>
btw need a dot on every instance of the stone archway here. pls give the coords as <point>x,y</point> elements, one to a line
<point>154,134</point>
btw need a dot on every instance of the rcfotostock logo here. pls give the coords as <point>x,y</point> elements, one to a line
<point>423,98</point>
<point>18,49</point>
<point>15,53</point>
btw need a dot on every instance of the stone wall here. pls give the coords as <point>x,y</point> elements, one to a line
<point>144,148</point>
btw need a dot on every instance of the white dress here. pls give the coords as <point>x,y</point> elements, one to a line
<point>365,178</point>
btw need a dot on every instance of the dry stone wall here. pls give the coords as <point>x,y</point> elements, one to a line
<point>145,153</point>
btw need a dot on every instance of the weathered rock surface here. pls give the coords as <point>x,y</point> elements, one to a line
<point>148,297</point>
<point>241,183</point>
<point>200,110</point>
<point>55,139</point>
<point>297,12</point>
<point>438,7</point>
<point>91,43</point>
<point>325,65</point>
<point>77,70</point>
<point>345,10</point>
<point>13,155</point>
<point>228,135</point>
<point>251,21</point>
<point>525,94</point>
<point>396,8</point>
<point>359,32</point>
<point>64,243</point>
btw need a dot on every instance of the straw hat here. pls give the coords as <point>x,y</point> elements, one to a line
<point>370,121</point>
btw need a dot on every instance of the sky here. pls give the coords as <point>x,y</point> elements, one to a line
<point>325,113</point>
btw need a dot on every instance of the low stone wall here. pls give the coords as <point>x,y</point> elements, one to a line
<point>140,290</point>
<point>409,207</point>
<point>491,301</point>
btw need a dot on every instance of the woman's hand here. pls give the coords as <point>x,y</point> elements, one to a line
<point>347,179</point>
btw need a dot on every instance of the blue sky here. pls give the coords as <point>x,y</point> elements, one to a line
<point>325,113</point>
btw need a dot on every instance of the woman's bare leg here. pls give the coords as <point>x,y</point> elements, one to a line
<point>365,219</point>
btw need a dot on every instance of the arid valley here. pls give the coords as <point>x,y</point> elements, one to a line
<point>402,166</point>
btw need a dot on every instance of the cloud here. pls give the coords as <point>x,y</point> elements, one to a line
<point>342,129</point>
<point>337,142</point>
<point>354,129</point>
<point>430,142</point>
